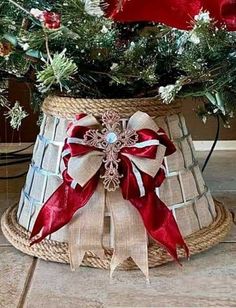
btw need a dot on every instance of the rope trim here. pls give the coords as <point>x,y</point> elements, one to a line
<point>68,107</point>
<point>58,251</point>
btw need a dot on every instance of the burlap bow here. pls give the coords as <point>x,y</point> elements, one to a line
<point>133,157</point>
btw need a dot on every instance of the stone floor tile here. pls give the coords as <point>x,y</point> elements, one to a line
<point>14,270</point>
<point>13,185</point>
<point>229,199</point>
<point>208,279</point>
<point>220,173</point>
<point>5,202</point>
<point>56,286</point>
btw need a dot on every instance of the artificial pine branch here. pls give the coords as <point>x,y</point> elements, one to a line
<point>116,60</point>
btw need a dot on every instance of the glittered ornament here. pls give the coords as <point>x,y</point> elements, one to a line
<point>223,11</point>
<point>50,20</point>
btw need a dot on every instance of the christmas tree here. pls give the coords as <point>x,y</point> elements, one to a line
<point>88,48</point>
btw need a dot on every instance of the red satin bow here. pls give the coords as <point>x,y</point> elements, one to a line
<point>66,200</point>
<point>175,13</point>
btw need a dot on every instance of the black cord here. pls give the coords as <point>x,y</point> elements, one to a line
<point>14,156</point>
<point>214,143</point>
<point>18,158</point>
<point>18,151</point>
<point>15,162</point>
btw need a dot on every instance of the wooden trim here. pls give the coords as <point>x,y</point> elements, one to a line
<point>9,147</point>
<point>222,145</point>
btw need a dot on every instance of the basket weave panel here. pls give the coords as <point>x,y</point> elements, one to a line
<point>184,191</point>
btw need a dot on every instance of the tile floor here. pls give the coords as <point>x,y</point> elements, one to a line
<point>209,279</point>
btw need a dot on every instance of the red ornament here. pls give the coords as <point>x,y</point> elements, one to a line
<point>171,12</point>
<point>174,13</point>
<point>51,20</point>
<point>223,11</point>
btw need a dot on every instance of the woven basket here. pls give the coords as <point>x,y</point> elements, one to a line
<point>202,221</point>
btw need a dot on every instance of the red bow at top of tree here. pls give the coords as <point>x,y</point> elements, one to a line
<point>175,13</point>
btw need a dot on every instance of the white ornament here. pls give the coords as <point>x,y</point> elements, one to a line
<point>194,38</point>
<point>93,7</point>
<point>113,66</point>
<point>25,46</point>
<point>168,92</point>
<point>203,16</point>
<point>104,29</point>
<point>38,14</point>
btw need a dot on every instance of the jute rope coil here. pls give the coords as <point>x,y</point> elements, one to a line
<point>68,107</point>
<point>58,252</point>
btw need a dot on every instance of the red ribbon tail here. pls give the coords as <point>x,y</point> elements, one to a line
<point>60,208</point>
<point>53,215</point>
<point>160,223</point>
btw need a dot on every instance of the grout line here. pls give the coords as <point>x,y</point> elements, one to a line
<point>5,245</point>
<point>28,283</point>
<point>224,190</point>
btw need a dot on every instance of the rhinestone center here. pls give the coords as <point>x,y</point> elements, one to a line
<point>111,137</point>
